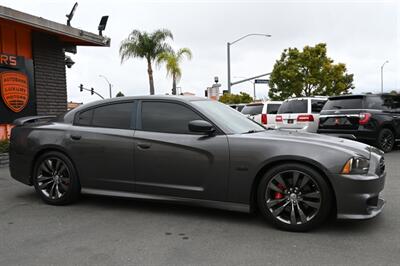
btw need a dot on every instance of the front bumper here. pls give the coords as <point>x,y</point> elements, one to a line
<point>357,196</point>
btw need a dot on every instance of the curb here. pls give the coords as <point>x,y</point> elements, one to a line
<point>4,159</point>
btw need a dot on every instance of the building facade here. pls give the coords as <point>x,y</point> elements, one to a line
<point>33,65</point>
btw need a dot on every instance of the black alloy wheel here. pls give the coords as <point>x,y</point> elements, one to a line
<point>55,179</point>
<point>294,197</point>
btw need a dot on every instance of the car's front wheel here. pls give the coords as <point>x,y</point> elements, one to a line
<point>294,197</point>
<point>55,179</point>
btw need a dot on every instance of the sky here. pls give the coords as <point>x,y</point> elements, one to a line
<point>361,34</point>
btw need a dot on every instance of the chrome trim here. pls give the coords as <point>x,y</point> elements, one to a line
<point>340,115</point>
<point>186,201</point>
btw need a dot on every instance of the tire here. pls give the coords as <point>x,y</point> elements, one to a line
<point>386,140</point>
<point>55,179</point>
<point>313,198</point>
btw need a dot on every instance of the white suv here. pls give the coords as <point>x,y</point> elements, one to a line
<point>300,113</point>
<point>263,113</point>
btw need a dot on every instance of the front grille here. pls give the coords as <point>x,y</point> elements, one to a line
<point>381,167</point>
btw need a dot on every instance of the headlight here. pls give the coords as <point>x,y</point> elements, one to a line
<point>356,165</point>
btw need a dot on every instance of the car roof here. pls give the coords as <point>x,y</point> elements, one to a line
<point>69,115</point>
<point>361,95</point>
<point>306,98</point>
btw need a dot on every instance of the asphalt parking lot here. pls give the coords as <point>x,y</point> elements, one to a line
<point>109,231</point>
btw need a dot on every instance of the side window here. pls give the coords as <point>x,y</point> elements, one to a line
<point>84,118</point>
<point>167,117</point>
<point>113,116</point>
<point>317,105</point>
<point>396,103</point>
<point>378,103</point>
<point>117,115</point>
<point>272,109</point>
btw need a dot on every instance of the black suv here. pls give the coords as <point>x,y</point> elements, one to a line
<point>370,118</point>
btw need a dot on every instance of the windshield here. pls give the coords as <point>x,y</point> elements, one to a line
<point>254,109</point>
<point>293,107</point>
<point>344,103</point>
<point>228,118</point>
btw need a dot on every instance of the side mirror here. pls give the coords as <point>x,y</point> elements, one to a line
<point>201,126</point>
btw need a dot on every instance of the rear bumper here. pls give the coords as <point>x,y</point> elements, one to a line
<point>363,135</point>
<point>20,168</point>
<point>357,197</point>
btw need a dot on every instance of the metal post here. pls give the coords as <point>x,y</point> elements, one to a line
<point>254,90</point>
<point>382,75</point>
<point>109,85</point>
<point>228,48</point>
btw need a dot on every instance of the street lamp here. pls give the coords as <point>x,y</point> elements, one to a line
<point>228,47</point>
<point>109,84</point>
<point>382,74</point>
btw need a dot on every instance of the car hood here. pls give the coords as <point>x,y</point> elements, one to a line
<point>325,141</point>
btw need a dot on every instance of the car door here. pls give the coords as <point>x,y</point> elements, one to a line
<point>102,147</point>
<point>170,160</point>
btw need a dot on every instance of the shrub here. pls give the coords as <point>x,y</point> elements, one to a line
<point>4,145</point>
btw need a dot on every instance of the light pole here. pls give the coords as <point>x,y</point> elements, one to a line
<point>382,74</point>
<point>109,84</point>
<point>228,48</point>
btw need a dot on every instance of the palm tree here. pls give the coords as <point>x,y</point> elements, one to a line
<point>145,45</point>
<point>172,60</point>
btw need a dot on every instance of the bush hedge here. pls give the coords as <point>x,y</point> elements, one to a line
<point>4,145</point>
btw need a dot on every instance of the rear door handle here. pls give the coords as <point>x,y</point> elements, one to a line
<point>144,145</point>
<point>76,137</point>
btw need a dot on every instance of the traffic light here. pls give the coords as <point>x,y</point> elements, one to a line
<point>81,87</point>
<point>92,91</point>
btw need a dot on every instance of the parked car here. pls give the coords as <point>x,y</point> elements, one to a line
<point>238,106</point>
<point>300,113</point>
<point>263,113</point>
<point>196,151</point>
<point>370,118</point>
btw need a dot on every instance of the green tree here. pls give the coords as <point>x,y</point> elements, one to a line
<point>120,94</point>
<point>229,98</point>
<point>145,45</point>
<point>172,62</point>
<point>307,73</point>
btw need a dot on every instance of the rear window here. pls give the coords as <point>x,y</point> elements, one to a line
<point>344,103</point>
<point>252,109</point>
<point>293,106</point>
<point>317,105</point>
<point>272,108</point>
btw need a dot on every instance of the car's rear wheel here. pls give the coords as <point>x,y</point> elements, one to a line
<point>55,179</point>
<point>386,140</point>
<point>294,197</point>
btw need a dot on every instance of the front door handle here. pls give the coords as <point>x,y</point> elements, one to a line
<point>144,145</point>
<point>76,137</point>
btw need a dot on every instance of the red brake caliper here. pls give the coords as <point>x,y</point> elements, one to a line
<point>279,195</point>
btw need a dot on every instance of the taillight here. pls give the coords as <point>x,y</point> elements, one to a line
<point>264,119</point>
<point>305,118</point>
<point>364,118</point>
<point>278,118</point>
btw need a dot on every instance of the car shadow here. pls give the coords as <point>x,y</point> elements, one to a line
<point>145,206</point>
<point>220,215</point>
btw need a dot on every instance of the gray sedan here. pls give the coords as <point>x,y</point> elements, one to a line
<point>195,151</point>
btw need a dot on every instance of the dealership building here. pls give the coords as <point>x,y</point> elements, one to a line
<point>33,64</point>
